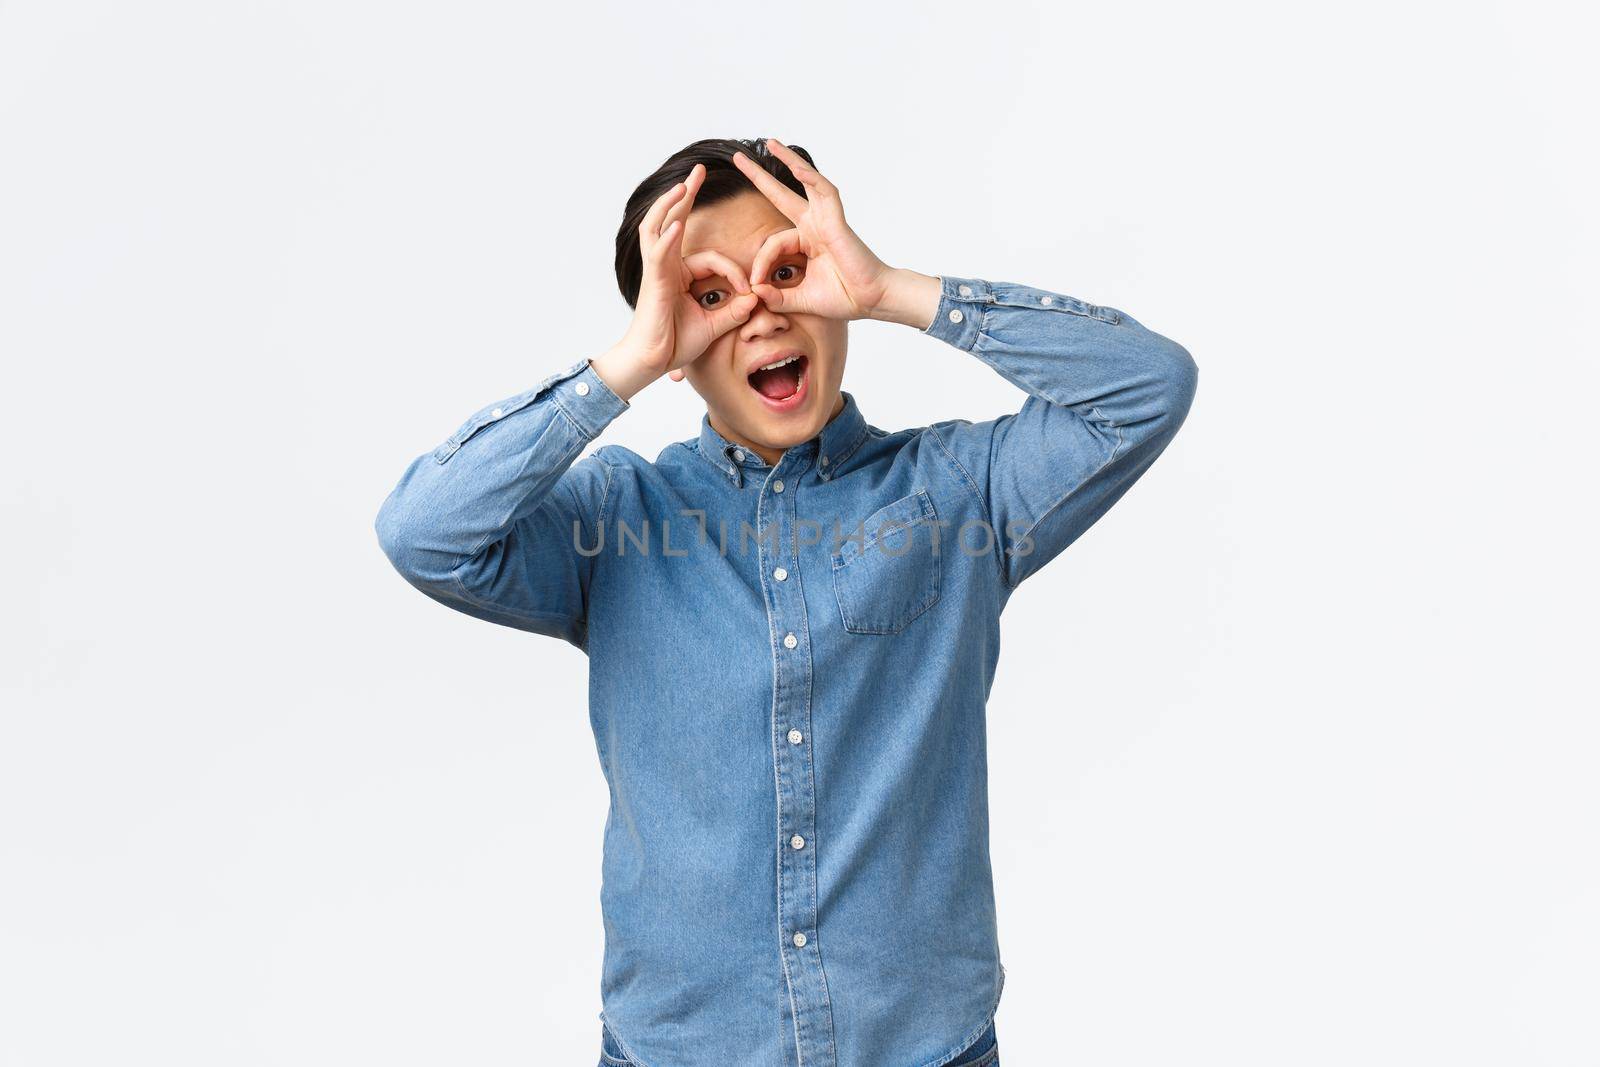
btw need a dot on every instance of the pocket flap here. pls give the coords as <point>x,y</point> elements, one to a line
<point>887,521</point>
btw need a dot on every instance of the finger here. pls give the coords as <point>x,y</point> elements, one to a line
<point>663,251</point>
<point>782,243</point>
<point>709,263</point>
<point>823,196</point>
<point>731,314</point>
<point>785,199</point>
<point>650,225</point>
<point>691,184</point>
<point>776,299</point>
<point>658,261</point>
<point>808,175</point>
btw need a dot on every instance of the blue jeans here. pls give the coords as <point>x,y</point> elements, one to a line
<point>984,1052</point>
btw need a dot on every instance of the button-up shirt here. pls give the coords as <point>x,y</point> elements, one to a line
<point>789,666</point>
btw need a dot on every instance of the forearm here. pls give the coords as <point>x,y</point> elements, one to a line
<point>910,299</point>
<point>461,498</point>
<point>1105,396</point>
<point>1098,361</point>
<point>623,371</point>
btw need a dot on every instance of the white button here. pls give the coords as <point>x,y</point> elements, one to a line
<point>955,315</point>
<point>738,455</point>
<point>795,737</point>
<point>964,290</point>
<point>1047,300</point>
<point>777,486</point>
<point>824,461</point>
<point>790,640</point>
<point>780,574</point>
<point>797,841</point>
<point>799,940</point>
<point>497,412</point>
<point>582,388</point>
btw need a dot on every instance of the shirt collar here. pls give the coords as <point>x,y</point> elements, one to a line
<point>835,444</point>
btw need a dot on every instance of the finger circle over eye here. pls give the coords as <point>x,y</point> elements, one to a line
<point>782,243</point>
<point>709,262</point>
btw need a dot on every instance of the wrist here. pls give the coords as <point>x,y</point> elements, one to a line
<point>623,372</point>
<point>910,298</point>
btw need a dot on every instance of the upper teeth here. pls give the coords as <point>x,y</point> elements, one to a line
<point>781,362</point>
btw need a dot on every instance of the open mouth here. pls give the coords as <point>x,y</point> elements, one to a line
<point>781,382</point>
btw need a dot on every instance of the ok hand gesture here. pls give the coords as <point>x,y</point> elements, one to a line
<point>670,328</point>
<point>843,279</point>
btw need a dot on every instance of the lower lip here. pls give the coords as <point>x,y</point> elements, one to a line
<point>791,402</point>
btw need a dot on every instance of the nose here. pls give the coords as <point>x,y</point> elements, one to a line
<point>763,322</point>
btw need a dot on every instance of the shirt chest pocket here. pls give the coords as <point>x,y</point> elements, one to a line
<point>888,571</point>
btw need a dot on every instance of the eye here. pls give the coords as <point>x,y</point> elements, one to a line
<point>710,293</point>
<point>794,273</point>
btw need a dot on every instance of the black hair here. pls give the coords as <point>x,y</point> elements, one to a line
<point>723,181</point>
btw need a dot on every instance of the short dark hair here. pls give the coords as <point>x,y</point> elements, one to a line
<point>723,181</point>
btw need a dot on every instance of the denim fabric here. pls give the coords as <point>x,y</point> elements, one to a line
<point>789,667</point>
<point>983,1052</point>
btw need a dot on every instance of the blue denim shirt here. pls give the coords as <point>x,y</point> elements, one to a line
<point>788,670</point>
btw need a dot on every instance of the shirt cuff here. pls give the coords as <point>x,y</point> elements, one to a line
<point>959,317</point>
<point>587,399</point>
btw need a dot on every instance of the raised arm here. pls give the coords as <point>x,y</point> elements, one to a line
<point>491,522</point>
<point>1105,397</point>
<point>501,521</point>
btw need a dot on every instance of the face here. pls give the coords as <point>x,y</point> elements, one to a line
<point>764,410</point>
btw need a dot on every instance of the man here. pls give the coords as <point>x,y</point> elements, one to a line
<point>792,618</point>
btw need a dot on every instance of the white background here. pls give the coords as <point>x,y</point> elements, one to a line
<point>1293,755</point>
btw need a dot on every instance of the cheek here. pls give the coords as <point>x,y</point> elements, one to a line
<point>714,368</point>
<point>837,341</point>
<point>829,338</point>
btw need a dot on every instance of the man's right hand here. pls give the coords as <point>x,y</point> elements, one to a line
<point>670,327</point>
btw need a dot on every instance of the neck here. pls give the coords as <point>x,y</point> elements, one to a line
<point>767,452</point>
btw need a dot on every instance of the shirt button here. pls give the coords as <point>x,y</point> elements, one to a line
<point>790,640</point>
<point>955,315</point>
<point>497,412</point>
<point>738,455</point>
<point>1047,300</point>
<point>582,388</point>
<point>777,486</point>
<point>964,290</point>
<point>795,737</point>
<point>799,939</point>
<point>780,574</point>
<point>824,461</point>
<point>797,841</point>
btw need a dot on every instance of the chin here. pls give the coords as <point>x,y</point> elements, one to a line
<point>781,405</point>
<point>795,419</point>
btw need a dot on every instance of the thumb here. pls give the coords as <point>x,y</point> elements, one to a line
<point>770,295</point>
<point>734,313</point>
